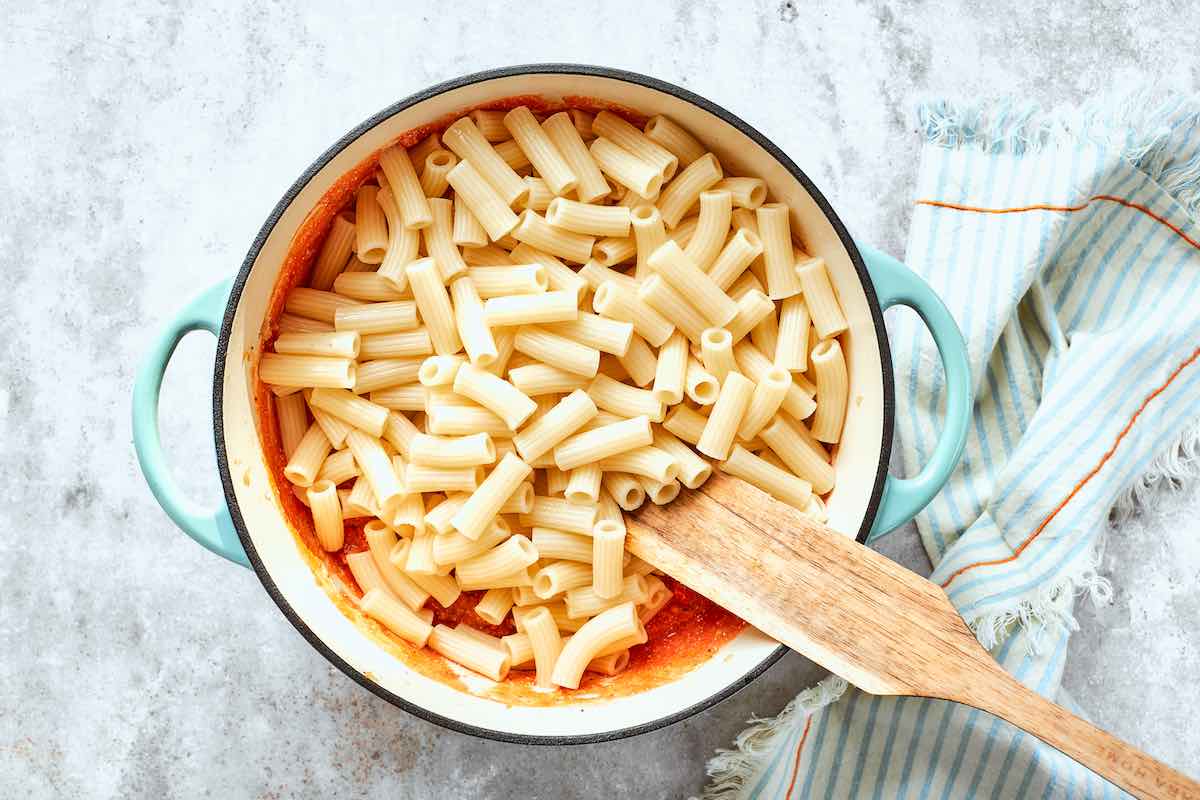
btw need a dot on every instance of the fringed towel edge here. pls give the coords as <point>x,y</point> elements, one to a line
<point>729,769</point>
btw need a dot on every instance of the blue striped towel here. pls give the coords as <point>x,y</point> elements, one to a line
<point>1066,248</point>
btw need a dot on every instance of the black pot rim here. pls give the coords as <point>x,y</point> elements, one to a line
<point>291,194</point>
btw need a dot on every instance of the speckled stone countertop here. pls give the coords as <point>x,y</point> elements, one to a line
<point>144,144</point>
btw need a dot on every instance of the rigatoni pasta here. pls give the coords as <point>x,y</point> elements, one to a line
<point>640,177</point>
<point>827,316</point>
<point>541,151</point>
<point>470,145</point>
<point>554,349</point>
<point>590,184</point>
<point>774,228</point>
<point>832,386</point>
<point>484,202</point>
<point>405,187</point>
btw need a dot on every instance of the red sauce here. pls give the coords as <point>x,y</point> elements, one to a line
<point>683,635</point>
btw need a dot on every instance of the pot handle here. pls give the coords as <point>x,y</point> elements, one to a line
<point>897,284</point>
<point>213,528</point>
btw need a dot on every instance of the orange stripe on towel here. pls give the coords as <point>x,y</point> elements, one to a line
<point>1084,480</point>
<point>1047,207</point>
<point>796,763</point>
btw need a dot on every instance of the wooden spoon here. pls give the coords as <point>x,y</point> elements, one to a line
<point>883,628</point>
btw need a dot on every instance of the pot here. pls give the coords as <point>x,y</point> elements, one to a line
<point>251,528</point>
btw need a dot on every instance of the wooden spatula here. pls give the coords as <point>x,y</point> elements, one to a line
<point>881,627</point>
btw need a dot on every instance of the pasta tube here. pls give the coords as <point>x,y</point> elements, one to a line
<point>832,391</point>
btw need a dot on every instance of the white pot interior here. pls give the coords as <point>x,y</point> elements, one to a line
<point>279,550</point>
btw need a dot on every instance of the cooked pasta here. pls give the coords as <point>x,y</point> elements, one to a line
<point>648,462</point>
<point>800,451</point>
<point>351,409</point>
<point>603,442</point>
<point>614,250</point>
<point>753,308</point>
<point>774,228</point>
<point>512,155</point>
<point>485,502</point>
<point>625,489</point>
<point>639,362</point>
<point>590,184</point>
<point>832,387</point>
<point>433,176</point>
<point>612,625</point>
<point>452,452</point>
<point>334,428</point>
<point>622,301</point>
<point>625,168</point>
<point>583,484</point>
<point>557,351</point>
<point>381,542</point>
<point>671,136</point>
<point>558,274</point>
<point>625,400</point>
<point>556,544</point>
<point>506,344</point>
<point>484,202</point>
<point>627,137</point>
<point>670,370</point>
<point>769,392</point>
<point>338,344</point>
<point>493,609</point>
<point>540,194</point>
<point>608,548</point>
<point>678,269</point>
<point>685,190</point>
<point>396,345</point>
<point>557,513</point>
<point>712,226</point>
<point>518,279</point>
<point>734,258</point>
<point>396,617</point>
<point>292,414</point>
<point>531,309</point>
<point>433,302</point>
<point>316,304</point>
<point>673,305</point>
<point>471,323</point>
<point>745,192</point>
<point>398,315</point>
<point>753,364</point>
<point>326,511</point>
<point>700,385</point>
<point>470,145</point>
<point>292,323</point>
<point>779,483</point>
<point>535,231</point>
<point>405,187</point>
<point>371,232</point>
<point>403,242</point>
<point>716,353</point>
<point>491,124</point>
<point>463,649</point>
<point>466,231</point>
<point>658,492</point>
<point>827,316</point>
<point>573,215</point>
<point>541,151</point>
<point>726,415</point>
<point>383,373</point>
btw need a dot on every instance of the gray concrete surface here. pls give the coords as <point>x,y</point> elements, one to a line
<point>144,142</point>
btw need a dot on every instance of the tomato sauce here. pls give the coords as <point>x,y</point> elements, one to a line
<point>683,635</point>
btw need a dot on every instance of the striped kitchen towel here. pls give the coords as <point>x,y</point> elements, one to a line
<point>1066,247</point>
